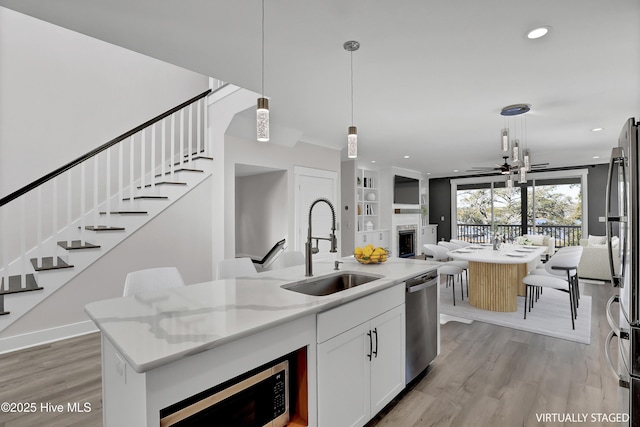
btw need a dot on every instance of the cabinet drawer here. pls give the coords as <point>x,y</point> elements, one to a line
<point>349,315</point>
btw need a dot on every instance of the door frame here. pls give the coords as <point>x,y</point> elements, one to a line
<point>299,171</point>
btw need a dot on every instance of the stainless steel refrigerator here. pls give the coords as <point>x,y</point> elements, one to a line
<point>623,213</point>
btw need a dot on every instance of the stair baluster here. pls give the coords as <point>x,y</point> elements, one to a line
<point>25,235</point>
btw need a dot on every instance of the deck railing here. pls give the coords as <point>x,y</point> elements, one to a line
<point>565,235</point>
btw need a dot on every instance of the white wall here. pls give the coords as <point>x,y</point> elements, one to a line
<point>237,150</point>
<point>261,212</point>
<point>64,93</point>
<point>179,237</point>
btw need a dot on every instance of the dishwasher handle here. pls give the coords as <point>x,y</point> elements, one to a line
<point>419,286</point>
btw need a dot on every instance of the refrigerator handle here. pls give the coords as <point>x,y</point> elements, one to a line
<point>617,158</point>
<point>620,333</point>
<point>607,353</point>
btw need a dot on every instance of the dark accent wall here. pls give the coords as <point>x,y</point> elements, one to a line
<point>440,202</point>
<point>596,189</point>
<point>440,206</point>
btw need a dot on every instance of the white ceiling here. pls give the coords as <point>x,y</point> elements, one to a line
<point>429,79</point>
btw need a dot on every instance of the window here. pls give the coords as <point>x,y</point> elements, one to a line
<point>550,203</point>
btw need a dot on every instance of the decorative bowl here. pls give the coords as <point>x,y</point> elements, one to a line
<point>376,256</point>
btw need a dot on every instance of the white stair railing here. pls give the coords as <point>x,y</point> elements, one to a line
<point>30,217</point>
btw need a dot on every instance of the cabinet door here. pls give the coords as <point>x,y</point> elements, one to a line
<point>363,239</point>
<point>344,378</point>
<point>388,363</point>
<point>382,238</point>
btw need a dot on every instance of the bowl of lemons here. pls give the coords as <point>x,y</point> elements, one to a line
<point>370,254</point>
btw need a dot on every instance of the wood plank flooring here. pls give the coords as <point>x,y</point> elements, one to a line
<point>486,375</point>
<point>490,376</point>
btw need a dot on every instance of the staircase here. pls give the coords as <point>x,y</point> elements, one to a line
<point>57,226</point>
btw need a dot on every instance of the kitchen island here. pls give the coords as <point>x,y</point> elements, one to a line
<point>162,347</point>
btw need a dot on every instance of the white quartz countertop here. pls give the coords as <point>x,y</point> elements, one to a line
<point>507,254</point>
<point>155,328</point>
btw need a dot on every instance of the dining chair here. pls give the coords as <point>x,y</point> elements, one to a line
<point>152,279</point>
<point>451,271</point>
<point>437,253</point>
<point>452,246</point>
<point>449,245</point>
<point>441,253</point>
<point>559,273</point>
<point>460,243</point>
<point>234,267</point>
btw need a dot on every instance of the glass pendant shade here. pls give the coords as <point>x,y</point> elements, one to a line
<point>262,119</point>
<point>504,140</point>
<point>352,143</point>
<point>526,159</point>
<point>523,175</point>
<point>515,150</point>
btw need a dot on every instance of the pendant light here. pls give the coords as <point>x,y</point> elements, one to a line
<point>504,140</point>
<point>352,136</point>
<point>262,111</point>
<point>523,175</point>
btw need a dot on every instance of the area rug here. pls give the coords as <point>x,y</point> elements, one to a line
<point>550,314</point>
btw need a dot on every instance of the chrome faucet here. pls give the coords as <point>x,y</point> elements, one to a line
<point>309,249</point>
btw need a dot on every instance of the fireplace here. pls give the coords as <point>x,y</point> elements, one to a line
<point>407,235</point>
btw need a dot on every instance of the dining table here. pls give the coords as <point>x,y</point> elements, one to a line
<point>495,275</point>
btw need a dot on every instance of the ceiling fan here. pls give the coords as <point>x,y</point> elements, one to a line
<point>505,168</point>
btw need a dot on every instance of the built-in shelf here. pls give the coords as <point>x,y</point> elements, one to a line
<point>368,209</point>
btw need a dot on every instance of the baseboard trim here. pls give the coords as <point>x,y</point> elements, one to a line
<point>44,336</point>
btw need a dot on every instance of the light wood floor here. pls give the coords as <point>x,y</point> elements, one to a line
<point>493,376</point>
<point>485,376</point>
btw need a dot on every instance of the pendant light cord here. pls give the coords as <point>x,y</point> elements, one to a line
<point>351,87</point>
<point>263,48</point>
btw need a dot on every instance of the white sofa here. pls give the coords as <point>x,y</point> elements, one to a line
<point>594,263</point>
<point>539,240</point>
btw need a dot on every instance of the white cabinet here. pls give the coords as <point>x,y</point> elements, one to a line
<point>429,234</point>
<point>344,380</point>
<point>388,360</point>
<point>361,367</point>
<point>376,238</point>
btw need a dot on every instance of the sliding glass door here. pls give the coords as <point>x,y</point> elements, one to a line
<point>541,206</point>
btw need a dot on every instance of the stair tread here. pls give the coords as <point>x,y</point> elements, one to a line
<point>187,169</point>
<point>126,213</point>
<point>14,285</point>
<point>102,228</point>
<point>47,264</point>
<point>77,244</point>
<point>146,197</point>
<point>165,183</point>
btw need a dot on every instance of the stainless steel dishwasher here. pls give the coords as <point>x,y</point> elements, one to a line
<point>421,323</point>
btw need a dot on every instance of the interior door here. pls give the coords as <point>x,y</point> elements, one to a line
<point>312,184</point>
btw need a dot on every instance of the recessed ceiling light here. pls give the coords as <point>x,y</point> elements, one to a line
<point>596,157</point>
<point>536,33</point>
<point>373,161</point>
<point>597,129</point>
<point>455,170</point>
<point>406,157</point>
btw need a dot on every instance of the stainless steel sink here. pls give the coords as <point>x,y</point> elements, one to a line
<point>330,284</point>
